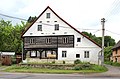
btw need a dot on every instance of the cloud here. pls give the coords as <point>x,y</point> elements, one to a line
<point>79,13</point>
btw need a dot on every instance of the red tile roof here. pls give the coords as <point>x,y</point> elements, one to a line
<point>64,22</point>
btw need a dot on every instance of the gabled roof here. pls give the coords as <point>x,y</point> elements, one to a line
<point>116,45</point>
<point>63,21</point>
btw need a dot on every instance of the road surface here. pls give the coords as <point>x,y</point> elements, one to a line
<point>5,75</point>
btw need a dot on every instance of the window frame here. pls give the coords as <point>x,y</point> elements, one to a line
<point>47,15</point>
<point>86,54</point>
<point>79,39</point>
<point>39,28</point>
<point>65,40</point>
<point>56,27</point>
<point>32,41</point>
<point>48,40</point>
<point>35,52</point>
<point>77,56</point>
<point>64,54</point>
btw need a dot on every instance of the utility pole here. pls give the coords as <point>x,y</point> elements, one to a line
<point>103,32</point>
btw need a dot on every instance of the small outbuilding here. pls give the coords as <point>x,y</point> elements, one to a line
<point>6,57</point>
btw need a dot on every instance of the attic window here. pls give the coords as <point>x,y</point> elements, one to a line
<point>78,39</point>
<point>56,26</point>
<point>48,15</point>
<point>39,27</point>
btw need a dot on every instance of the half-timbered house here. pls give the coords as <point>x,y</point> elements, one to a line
<point>51,37</point>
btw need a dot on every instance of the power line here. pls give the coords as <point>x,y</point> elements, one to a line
<point>39,22</point>
<point>113,32</point>
<point>12,17</point>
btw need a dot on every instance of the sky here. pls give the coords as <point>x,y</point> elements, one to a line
<point>84,15</point>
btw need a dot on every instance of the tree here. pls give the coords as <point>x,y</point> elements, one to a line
<point>108,40</point>
<point>10,36</point>
<point>108,53</point>
<point>31,19</point>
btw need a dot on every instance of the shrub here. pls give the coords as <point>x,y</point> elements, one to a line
<point>53,62</point>
<point>63,62</point>
<point>77,61</point>
<point>77,67</point>
<point>86,66</point>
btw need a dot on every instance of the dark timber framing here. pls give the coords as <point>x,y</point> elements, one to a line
<point>39,45</point>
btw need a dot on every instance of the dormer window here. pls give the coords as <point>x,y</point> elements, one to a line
<point>47,15</point>
<point>56,26</point>
<point>39,27</point>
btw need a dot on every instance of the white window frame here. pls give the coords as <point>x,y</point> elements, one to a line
<point>48,15</point>
<point>77,54</point>
<point>32,40</point>
<point>65,39</point>
<point>86,54</point>
<point>56,26</point>
<point>39,28</point>
<point>78,39</point>
<point>33,54</point>
<point>48,40</point>
<point>64,54</point>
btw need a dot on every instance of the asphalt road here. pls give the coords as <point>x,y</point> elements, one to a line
<point>4,75</point>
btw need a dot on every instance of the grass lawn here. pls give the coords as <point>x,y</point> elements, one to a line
<point>14,68</point>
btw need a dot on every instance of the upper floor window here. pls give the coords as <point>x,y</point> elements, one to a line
<point>39,27</point>
<point>47,15</point>
<point>86,54</point>
<point>64,53</point>
<point>32,40</point>
<point>56,26</point>
<point>65,40</point>
<point>48,40</point>
<point>78,39</point>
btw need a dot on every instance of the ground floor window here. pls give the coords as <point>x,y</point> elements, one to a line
<point>33,53</point>
<point>86,54</point>
<point>77,55</point>
<point>64,53</point>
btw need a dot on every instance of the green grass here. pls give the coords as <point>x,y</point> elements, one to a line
<point>15,68</point>
<point>112,63</point>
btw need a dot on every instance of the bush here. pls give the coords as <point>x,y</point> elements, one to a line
<point>77,67</point>
<point>53,62</point>
<point>63,62</point>
<point>77,61</point>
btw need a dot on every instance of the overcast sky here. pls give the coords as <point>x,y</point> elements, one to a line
<point>81,14</point>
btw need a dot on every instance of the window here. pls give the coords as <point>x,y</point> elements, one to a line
<point>32,40</point>
<point>64,53</point>
<point>86,54</point>
<point>78,39</point>
<point>33,54</point>
<point>48,40</point>
<point>65,40</point>
<point>39,27</point>
<point>77,55</point>
<point>56,26</point>
<point>48,15</point>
